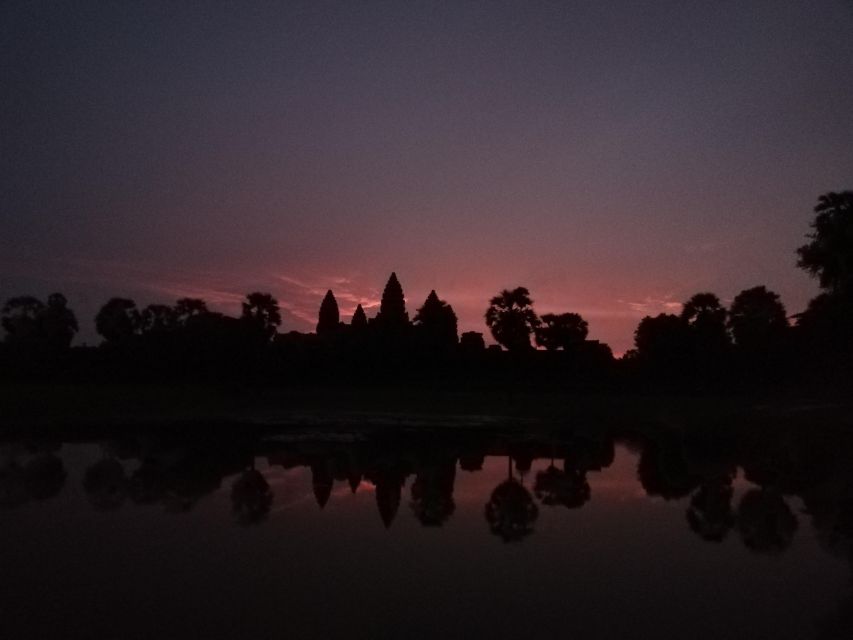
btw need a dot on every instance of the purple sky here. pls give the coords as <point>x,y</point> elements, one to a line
<point>613,157</point>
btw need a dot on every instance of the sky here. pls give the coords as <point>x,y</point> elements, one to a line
<point>613,157</point>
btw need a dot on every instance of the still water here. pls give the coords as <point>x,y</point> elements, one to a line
<point>330,533</point>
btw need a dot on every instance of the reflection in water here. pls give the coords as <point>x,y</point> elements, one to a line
<point>177,473</point>
<point>710,513</point>
<point>251,496</point>
<point>510,510</point>
<point>742,482</point>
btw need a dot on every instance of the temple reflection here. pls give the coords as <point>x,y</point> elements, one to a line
<point>151,468</point>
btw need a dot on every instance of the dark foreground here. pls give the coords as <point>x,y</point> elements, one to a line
<point>681,523</point>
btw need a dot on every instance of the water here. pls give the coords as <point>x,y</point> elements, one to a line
<point>381,534</point>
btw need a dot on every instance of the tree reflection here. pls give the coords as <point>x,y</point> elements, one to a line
<point>106,484</point>
<point>13,486</point>
<point>45,476</point>
<point>765,521</point>
<point>568,487</point>
<point>510,510</point>
<point>710,513</point>
<point>251,497</point>
<point>432,494</point>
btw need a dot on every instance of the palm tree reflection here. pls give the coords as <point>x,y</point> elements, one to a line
<point>251,497</point>
<point>511,511</point>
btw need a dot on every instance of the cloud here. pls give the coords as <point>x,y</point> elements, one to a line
<point>653,305</point>
<point>305,293</point>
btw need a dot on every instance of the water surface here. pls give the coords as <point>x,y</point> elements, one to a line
<point>381,534</point>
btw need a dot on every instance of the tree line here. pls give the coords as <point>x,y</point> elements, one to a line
<point>705,345</point>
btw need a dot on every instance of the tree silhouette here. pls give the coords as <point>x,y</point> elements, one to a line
<point>118,320</point>
<point>329,321</point>
<point>188,308</point>
<point>705,314</point>
<point>157,318</point>
<point>435,323</point>
<point>709,338</point>
<point>710,513</point>
<point>663,342</point>
<point>359,319</point>
<point>261,312</point>
<point>828,256</point>
<point>392,310</point>
<point>757,319</point>
<point>21,320</point>
<point>511,318</point>
<point>58,322</point>
<point>29,323</point>
<point>561,331</point>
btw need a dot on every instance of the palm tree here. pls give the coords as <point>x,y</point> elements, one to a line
<point>511,318</point>
<point>704,311</point>
<point>261,311</point>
